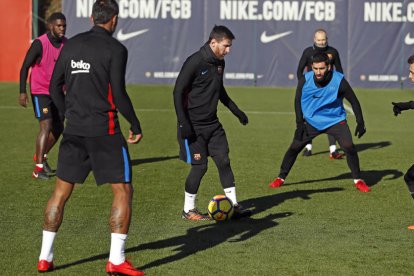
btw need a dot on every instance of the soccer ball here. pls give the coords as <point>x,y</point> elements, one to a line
<point>220,208</point>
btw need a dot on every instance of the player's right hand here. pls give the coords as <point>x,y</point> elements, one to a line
<point>134,138</point>
<point>186,130</point>
<point>360,130</point>
<point>23,101</point>
<point>244,120</point>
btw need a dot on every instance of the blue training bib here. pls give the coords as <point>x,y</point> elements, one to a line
<point>321,106</point>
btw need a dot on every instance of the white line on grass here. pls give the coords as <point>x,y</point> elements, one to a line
<point>172,110</point>
<point>347,108</point>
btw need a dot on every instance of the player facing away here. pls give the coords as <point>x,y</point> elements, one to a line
<point>92,68</point>
<point>198,89</point>
<point>319,109</point>
<point>41,58</point>
<point>398,108</point>
<point>320,45</point>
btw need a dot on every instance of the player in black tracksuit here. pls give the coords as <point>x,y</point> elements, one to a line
<point>397,109</point>
<point>320,46</point>
<point>91,70</point>
<point>306,59</point>
<point>198,89</point>
<point>95,85</point>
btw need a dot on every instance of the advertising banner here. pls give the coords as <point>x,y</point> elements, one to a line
<point>373,37</point>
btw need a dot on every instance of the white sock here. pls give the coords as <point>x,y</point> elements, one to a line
<point>332,148</point>
<point>189,201</point>
<point>39,166</point>
<point>356,180</point>
<point>117,253</point>
<point>308,146</point>
<point>46,252</point>
<point>231,193</point>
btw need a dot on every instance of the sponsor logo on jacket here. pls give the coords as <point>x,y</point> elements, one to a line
<point>79,66</point>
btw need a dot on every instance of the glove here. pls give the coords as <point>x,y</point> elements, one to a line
<point>242,117</point>
<point>398,107</point>
<point>186,130</point>
<point>300,131</point>
<point>360,130</point>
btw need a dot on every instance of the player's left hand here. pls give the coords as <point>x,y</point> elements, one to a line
<point>134,138</point>
<point>360,130</point>
<point>244,120</point>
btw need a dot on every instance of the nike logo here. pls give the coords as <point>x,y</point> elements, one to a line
<point>264,38</point>
<point>316,97</point>
<point>204,72</point>
<point>408,39</point>
<point>122,37</point>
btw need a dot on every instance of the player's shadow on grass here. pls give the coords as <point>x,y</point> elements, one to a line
<point>152,160</point>
<point>362,147</point>
<point>204,237</point>
<point>209,235</point>
<point>371,177</point>
<point>377,145</point>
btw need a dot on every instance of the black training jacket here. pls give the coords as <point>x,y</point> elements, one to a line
<point>308,53</point>
<point>199,87</point>
<point>91,68</point>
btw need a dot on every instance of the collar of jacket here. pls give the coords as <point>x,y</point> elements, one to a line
<point>100,29</point>
<point>54,40</point>
<point>209,56</point>
<point>320,49</point>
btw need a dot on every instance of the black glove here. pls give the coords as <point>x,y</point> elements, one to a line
<point>360,130</point>
<point>398,107</point>
<point>186,130</point>
<point>242,117</point>
<point>300,131</point>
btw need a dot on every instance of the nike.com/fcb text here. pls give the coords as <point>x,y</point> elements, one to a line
<point>277,10</point>
<point>155,9</point>
<point>311,10</point>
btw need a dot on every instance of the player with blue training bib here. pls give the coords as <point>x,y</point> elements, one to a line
<point>319,109</point>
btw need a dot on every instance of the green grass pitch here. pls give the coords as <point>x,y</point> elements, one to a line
<point>315,224</point>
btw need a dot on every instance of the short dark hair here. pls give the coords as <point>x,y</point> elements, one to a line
<point>56,16</point>
<point>320,57</point>
<point>104,10</point>
<point>411,59</point>
<point>220,32</point>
